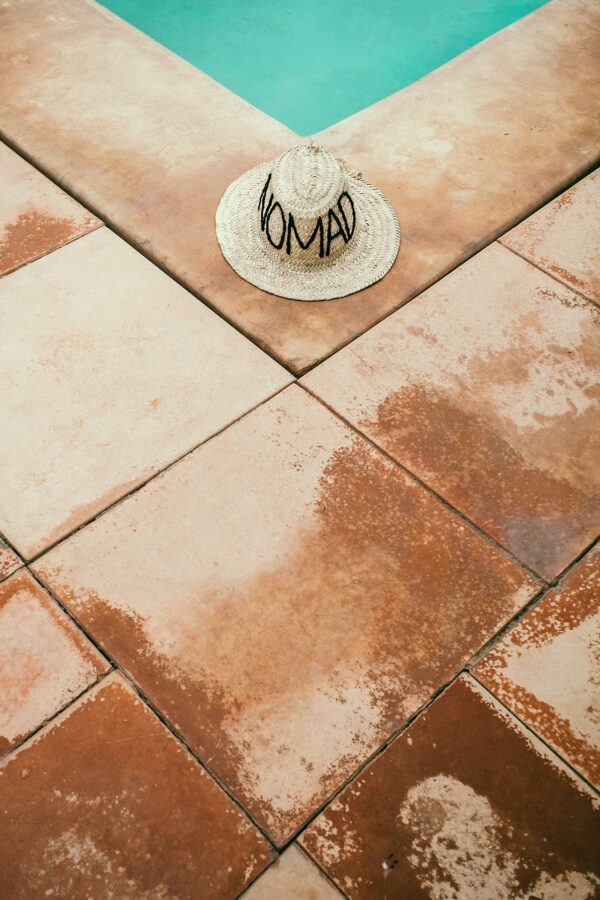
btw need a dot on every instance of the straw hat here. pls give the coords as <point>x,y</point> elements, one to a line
<point>303,227</point>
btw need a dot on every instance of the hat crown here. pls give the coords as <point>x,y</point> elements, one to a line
<point>307,181</point>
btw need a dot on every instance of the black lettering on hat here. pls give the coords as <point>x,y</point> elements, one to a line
<point>272,209</point>
<point>349,231</point>
<point>332,236</point>
<point>261,204</point>
<point>292,227</point>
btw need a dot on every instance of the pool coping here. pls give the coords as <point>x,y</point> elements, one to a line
<point>298,335</point>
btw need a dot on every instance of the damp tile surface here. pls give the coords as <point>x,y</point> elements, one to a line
<point>547,670</point>
<point>9,561</point>
<point>35,215</point>
<point>563,238</point>
<point>106,803</point>
<point>455,162</point>
<point>287,598</point>
<point>292,877</point>
<point>464,805</point>
<point>487,388</point>
<point>110,371</point>
<point>44,660</point>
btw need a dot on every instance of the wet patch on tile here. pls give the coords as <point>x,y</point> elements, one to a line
<point>45,661</point>
<point>287,597</point>
<point>563,238</point>
<point>465,805</point>
<point>110,372</point>
<point>9,561</point>
<point>293,877</point>
<point>35,215</point>
<point>455,163</point>
<point>487,388</point>
<point>104,802</point>
<point>548,668</point>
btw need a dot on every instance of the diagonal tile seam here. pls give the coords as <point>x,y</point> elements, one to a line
<point>161,471</point>
<point>472,249</point>
<point>312,861</point>
<point>29,262</point>
<point>423,484</point>
<point>22,563</point>
<point>563,284</point>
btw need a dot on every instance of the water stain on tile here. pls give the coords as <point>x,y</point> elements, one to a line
<point>563,238</point>
<point>32,234</point>
<point>9,561</point>
<point>465,805</point>
<point>287,597</point>
<point>491,396</point>
<point>104,802</point>
<point>293,877</point>
<point>44,660</point>
<point>548,668</point>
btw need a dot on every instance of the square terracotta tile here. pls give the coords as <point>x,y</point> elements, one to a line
<point>462,154</point>
<point>286,597</point>
<point>35,215</point>
<point>486,387</point>
<point>465,805</point>
<point>9,561</point>
<point>547,669</point>
<point>293,877</point>
<point>110,371</point>
<point>563,238</point>
<point>45,661</point>
<point>104,802</point>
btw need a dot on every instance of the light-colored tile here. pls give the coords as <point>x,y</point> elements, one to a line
<point>462,154</point>
<point>486,387</point>
<point>292,877</point>
<point>35,215</point>
<point>104,802</point>
<point>9,561</point>
<point>109,371</point>
<point>464,805</point>
<point>548,668</point>
<point>287,597</point>
<point>563,238</point>
<point>44,660</point>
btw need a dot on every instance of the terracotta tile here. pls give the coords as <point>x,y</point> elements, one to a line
<point>563,238</point>
<point>293,877</point>
<point>111,371</point>
<point>106,803</point>
<point>286,597</point>
<point>465,805</point>
<point>462,154</point>
<point>486,387</point>
<point>35,215</point>
<point>548,668</point>
<point>9,561</point>
<point>45,661</point>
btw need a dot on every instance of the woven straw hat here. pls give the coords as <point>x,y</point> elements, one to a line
<point>303,227</point>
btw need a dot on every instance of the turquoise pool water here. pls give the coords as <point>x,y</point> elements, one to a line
<point>310,63</point>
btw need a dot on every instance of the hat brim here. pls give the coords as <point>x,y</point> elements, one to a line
<point>367,257</point>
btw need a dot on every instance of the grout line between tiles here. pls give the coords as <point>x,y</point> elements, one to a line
<point>29,262</point>
<point>323,871</point>
<point>152,477</point>
<point>535,734</point>
<point>472,525</point>
<point>551,275</point>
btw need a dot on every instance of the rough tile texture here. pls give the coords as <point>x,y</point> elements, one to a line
<point>486,387</point>
<point>45,661</point>
<point>110,371</point>
<point>35,215</point>
<point>563,238</point>
<point>465,805</point>
<point>548,668</point>
<point>453,152</point>
<point>9,561</point>
<point>106,803</point>
<point>286,597</point>
<point>293,877</point>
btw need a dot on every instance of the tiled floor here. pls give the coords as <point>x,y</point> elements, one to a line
<point>355,629</point>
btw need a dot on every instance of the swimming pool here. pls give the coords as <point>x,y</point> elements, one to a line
<point>310,63</point>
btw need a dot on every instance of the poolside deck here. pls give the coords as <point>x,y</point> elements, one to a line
<point>274,617</point>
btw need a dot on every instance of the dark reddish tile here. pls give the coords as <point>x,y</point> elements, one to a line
<point>487,388</point>
<point>35,215</point>
<point>465,805</point>
<point>293,877</point>
<point>45,661</point>
<point>287,597</point>
<point>105,803</point>
<point>9,561</point>
<point>547,669</point>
